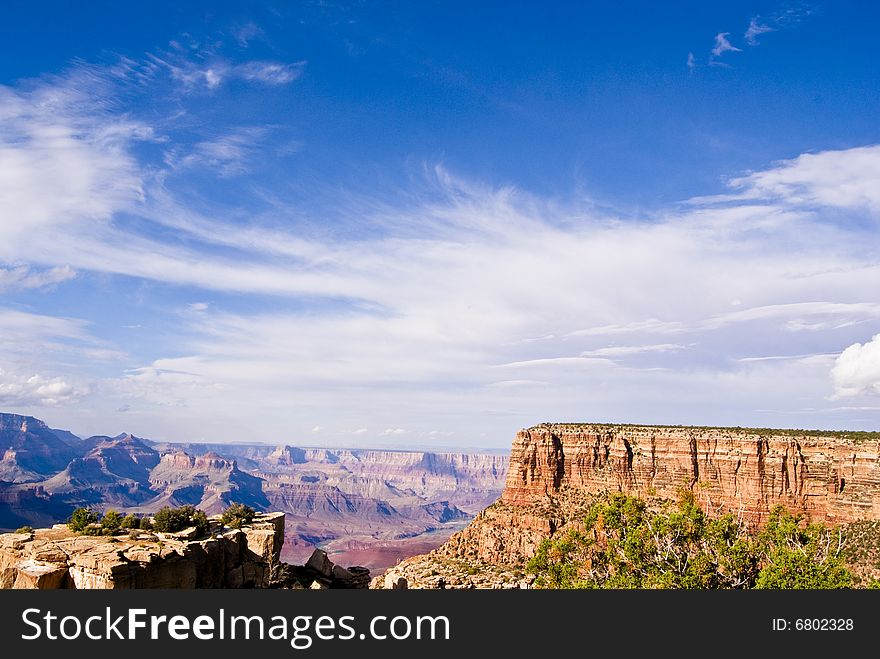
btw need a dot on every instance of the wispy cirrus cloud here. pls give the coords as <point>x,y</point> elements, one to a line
<point>783,19</point>
<point>210,72</point>
<point>247,33</point>
<point>228,155</point>
<point>26,277</point>
<point>756,28</point>
<point>723,45</point>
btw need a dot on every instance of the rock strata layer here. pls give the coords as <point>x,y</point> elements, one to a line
<point>827,477</point>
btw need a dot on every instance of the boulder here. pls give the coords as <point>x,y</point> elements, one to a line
<point>320,563</point>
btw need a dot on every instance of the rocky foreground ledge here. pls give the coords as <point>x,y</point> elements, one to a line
<point>226,558</point>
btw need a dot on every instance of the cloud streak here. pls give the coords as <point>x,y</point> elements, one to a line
<point>723,45</point>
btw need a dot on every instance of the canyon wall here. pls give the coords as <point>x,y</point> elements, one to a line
<point>828,477</point>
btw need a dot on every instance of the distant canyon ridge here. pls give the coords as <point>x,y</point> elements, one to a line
<point>366,507</point>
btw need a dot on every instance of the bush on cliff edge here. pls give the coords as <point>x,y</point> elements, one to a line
<point>238,515</point>
<point>172,520</point>
<point>624,544</point>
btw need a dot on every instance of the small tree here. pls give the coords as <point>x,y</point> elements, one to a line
<point>172,520</point>
<point>131,521</point>
<point>111,523</point>
<point>798,556</point>
<point>238,515</point>
<point>81,518</point>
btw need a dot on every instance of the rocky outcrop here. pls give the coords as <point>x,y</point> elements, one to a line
<point>557,470</point>
<point>227,558</point>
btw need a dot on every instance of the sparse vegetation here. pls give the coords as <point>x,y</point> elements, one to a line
<point>24,529</point>
<point>82,519</point>
<point>111,522</point>
<point>131,521</point>
<point>86,521</point>
<point>622,543</point>
<point>854,436</point>
<point>172,520</point>
<point>238,515</point>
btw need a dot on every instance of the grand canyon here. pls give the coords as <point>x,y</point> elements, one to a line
<point>439,520</point>
<point>364,507</point>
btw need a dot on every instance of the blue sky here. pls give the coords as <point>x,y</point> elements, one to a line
<point>412,224</point>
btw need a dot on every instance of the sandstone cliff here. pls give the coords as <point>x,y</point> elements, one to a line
<point>833,477</point>
<point>555,471</point>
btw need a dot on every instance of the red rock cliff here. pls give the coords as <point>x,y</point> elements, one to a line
<point>828,477</point>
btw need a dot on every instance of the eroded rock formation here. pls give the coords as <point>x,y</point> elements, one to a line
<point>228,558</point>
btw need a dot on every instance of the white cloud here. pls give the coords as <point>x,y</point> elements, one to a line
<point>227,155</point>
<point>847,179</point>
<point>23,276</point>
<point>318,429</point>
<point>36,390</point>
<point>723,45</point>
<point>857,369</point>
<point>62,164</point>
<point>691,61</point>
<point>756,29</point>
<point>269,73</point>
<point>624,351</point>
<point>205,70</point>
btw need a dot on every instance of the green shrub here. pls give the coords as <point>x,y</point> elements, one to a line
<point>238,515</point>
<point>24,529</point>
<point>131,521</point>
<point>796,556</point>
<point>111,522</point>
<point>624,544</point>
<point>81,519</point>
<point>172,520</point>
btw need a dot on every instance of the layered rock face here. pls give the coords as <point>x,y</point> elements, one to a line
<point>828,477</point>
<point>229,558</point>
